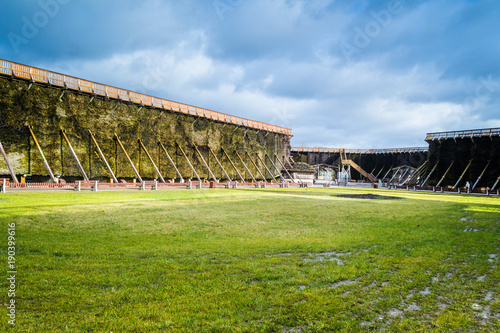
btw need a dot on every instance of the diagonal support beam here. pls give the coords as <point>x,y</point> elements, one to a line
<point>430,173</point>
<point>219,163</point>
<point>276,168</point>
<point>264,164</point>
<point>206,164</point>
<point>463,174</point>
<point>256,167</point>
<point>74,155</point>
<point>378,174</point>
<point>171,161</point>
<point>481,176</point>
<point>444,176</point>
<point>246,167</point>
<point>128,158</point>
<point>496,183</point>
<point>232,164</point>
<point>189,162</point>
<point>284,168</point>
<point>11,171</point>
<point>47,167</point>
<point>101,155</point>
<point>152,161</point>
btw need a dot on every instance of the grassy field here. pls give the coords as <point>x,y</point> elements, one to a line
<point>252,260</point>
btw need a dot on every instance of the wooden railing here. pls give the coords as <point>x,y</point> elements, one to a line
<point>477,133</point>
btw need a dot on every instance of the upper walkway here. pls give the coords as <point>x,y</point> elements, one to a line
<point>477,133</point>
<point>360,151</point>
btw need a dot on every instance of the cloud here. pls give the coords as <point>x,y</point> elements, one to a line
<point>416,66</point>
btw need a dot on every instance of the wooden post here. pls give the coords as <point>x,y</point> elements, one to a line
<point>11,171</point>
<point>171,161</point>
<point>479,178</point>
<point>189,163</point>
<point>463,174</point>
<point>256,167</point>
<point>128,158</point>
<point>206,164</point>
<point>284,168</point>
<point>232,164</point>
<point>47,167</point>
<point>444,176</point>
<point>219,163</point>
<point>101,155</point>
<point>74,155</point>
<point>245,166</point>
<point>274,165</point>
<point>152,161</point>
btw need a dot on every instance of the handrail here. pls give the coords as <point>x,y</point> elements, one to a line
<point>34,74</point>
<point>359,151</point>
<point>475,133</point>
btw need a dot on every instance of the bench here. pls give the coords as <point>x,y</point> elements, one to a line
<point>86,183</point>
<point>152,183</point>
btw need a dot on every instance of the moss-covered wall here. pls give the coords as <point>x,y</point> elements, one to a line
<point>49,110</point>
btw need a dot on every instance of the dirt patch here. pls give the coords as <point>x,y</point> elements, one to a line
<point>367,196</point>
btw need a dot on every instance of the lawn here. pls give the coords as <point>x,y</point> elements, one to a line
<point>252,260</point>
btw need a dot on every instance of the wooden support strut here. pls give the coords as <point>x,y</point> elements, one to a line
<point>481,176</point>
<point>74,155</point>
<point>232,164</point>
<point>101,155</point>
<point>245,166</point>
<point>128,158</point>
<point>170,160</point>
<point>11,171</point>
<point>416,173</point>
<point>430,173</point>
<point>276,168</point>
<point>463,174</point>
<point>496,183</point>
<point>47,167</point>
<point>206,164</point>
<point>444,176</point>
<point>219,163</point>
<point>264,164</point>
<point>152,161</point>
<point>189,163</point>
<point>284,168</point>
<point>378,174</point>
<point>256,167</point>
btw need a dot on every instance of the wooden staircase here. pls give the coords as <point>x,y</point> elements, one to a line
<point>365,174</point>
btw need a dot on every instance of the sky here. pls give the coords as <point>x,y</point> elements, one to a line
<point>339,73</point>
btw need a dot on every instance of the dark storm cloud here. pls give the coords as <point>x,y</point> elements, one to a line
<point>339,73</point>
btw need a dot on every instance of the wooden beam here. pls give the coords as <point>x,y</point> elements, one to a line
<point>101,155</point>
<point>47,167</point>
<point>152,161</point>
<point>128,158</point>
<point>75,157</point>
<point>11,171</point>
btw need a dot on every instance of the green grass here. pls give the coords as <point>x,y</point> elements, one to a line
<point>252,261</point>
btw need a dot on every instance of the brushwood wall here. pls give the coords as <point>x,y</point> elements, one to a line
<point>48,110</point>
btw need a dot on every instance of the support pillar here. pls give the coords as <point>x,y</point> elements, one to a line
<point>74,155</point>
<point>47,167</point>
<point>128,158</point>
<point>11,171</point>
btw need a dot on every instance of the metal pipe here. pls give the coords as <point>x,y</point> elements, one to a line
<point>101,155</point>
<point>219,163</point>
<point>74,155</point>
<point>128,158</point>
<point>152,161</point>
<point>234,166</point>
<point>47,167</point>
<point>11,171</point>
<point>171,161</point>
<point>246,167</point>
<point>189,163</point>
